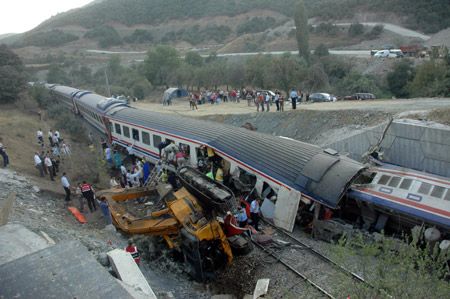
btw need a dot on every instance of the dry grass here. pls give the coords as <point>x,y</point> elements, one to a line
<point>18,130</point>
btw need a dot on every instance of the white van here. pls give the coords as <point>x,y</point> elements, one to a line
<point>396,53</point>
<point>381,54</point>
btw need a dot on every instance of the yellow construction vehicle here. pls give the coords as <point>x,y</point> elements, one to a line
<point>193,223</point>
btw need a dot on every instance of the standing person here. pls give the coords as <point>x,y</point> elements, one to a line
<point>257,103</point>
<point>38,164</point>
<point>254,213</point>
<point>80,197</point>
<point>242,217</point>
<point>277,100</point>
<point>294,99</point>
<point>131,152</point>
<point>104,205</point>
<point>55,141</point>
<point>58,136</point>
<point>133,251</point>
<point>50,137</point>
<point>109,155</point>
<point>123,170</point>
<point>267,101</point>
<point>39,137</point>
<point>66,186</point>
<point>249,99</point>
<point>104,145</point>
<point>39,113</point>
<point>117,159</point>
<point>3,154</point>
<point>261,101</point>
<point>48,164</point>
<point>172,178</point>
<point>88,193</point>
<point>281,101</point>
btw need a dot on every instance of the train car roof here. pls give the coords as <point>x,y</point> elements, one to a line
<point>65,89</point>
<point>321,174</point>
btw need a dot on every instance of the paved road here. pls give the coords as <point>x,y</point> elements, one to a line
<point>394,28</point>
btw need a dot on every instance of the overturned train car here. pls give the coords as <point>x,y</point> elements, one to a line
<point>297,173</point>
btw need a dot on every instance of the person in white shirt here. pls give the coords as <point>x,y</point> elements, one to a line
<point>113,183</point>
<point>66,186</point>
<point>268,101</point>
<point>131,152</point>
<point>108,153</point>
<point>58,136</point>
<point>123,170</point>
<point>48,164</point>
<point>55,141</point>
<point>39,137</point>
<point>38,164</point>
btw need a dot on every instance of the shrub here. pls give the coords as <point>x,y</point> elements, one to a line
<point>395,269</point>
<point>66,120</point>
<point>355,30</point>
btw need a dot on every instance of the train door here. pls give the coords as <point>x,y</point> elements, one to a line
<point>108,126</point>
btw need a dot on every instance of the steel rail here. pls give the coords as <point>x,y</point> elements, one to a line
<point>294,270</point>
<point>324,257</point>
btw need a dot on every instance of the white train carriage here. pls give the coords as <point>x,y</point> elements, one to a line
<point>404,197</point>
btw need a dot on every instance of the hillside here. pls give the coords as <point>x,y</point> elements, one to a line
<point>139,23</point>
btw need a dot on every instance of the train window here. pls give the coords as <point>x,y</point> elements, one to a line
<point>111,127</point>
<point>118,131</point>
<point>384,179</point>
<point>126,131</point>
<point>146,138</point>
<point>135,134</point>
<point>395,180</point>
<point>438,191</point>
<point>406,184</point>
<point>447,195</point>
<point>425,188</point>
<point>156,140</point>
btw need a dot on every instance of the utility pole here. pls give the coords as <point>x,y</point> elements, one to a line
<point>107,83</point>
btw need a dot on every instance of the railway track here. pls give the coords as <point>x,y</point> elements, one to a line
<point>309,267</point>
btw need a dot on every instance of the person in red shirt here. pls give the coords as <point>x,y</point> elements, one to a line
<point>133,251</point>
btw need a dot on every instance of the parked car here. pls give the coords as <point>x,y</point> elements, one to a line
<point>271,93</point>
<point>361,96</point>
<point>321,97</point>
<point>381,54</point>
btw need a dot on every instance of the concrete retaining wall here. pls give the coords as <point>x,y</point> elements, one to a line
<point>407,143</point>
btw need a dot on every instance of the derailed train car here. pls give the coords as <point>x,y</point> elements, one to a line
<point>296,173</point>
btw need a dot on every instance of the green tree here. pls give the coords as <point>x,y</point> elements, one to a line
<point>56,74</point>
<point>302,30</point>
<point>355,29</point>
<point>397,80</point>
<point>428,80</point>
<point>317,79</point>
<point>284,72</point>
<point>12,76</point>
<point>193,58</point>
<point>160,63</point>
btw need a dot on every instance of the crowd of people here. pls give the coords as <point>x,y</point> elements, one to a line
<point>261,99</point>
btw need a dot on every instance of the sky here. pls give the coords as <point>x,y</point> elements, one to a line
<point>17,16</point>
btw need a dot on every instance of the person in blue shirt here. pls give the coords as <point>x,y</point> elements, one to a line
<point>254,212</point>
<point>105,210</point>
<point>294,99</point>
<point>242,217</point>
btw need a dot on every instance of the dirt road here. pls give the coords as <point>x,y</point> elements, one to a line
<point>181,107</point>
